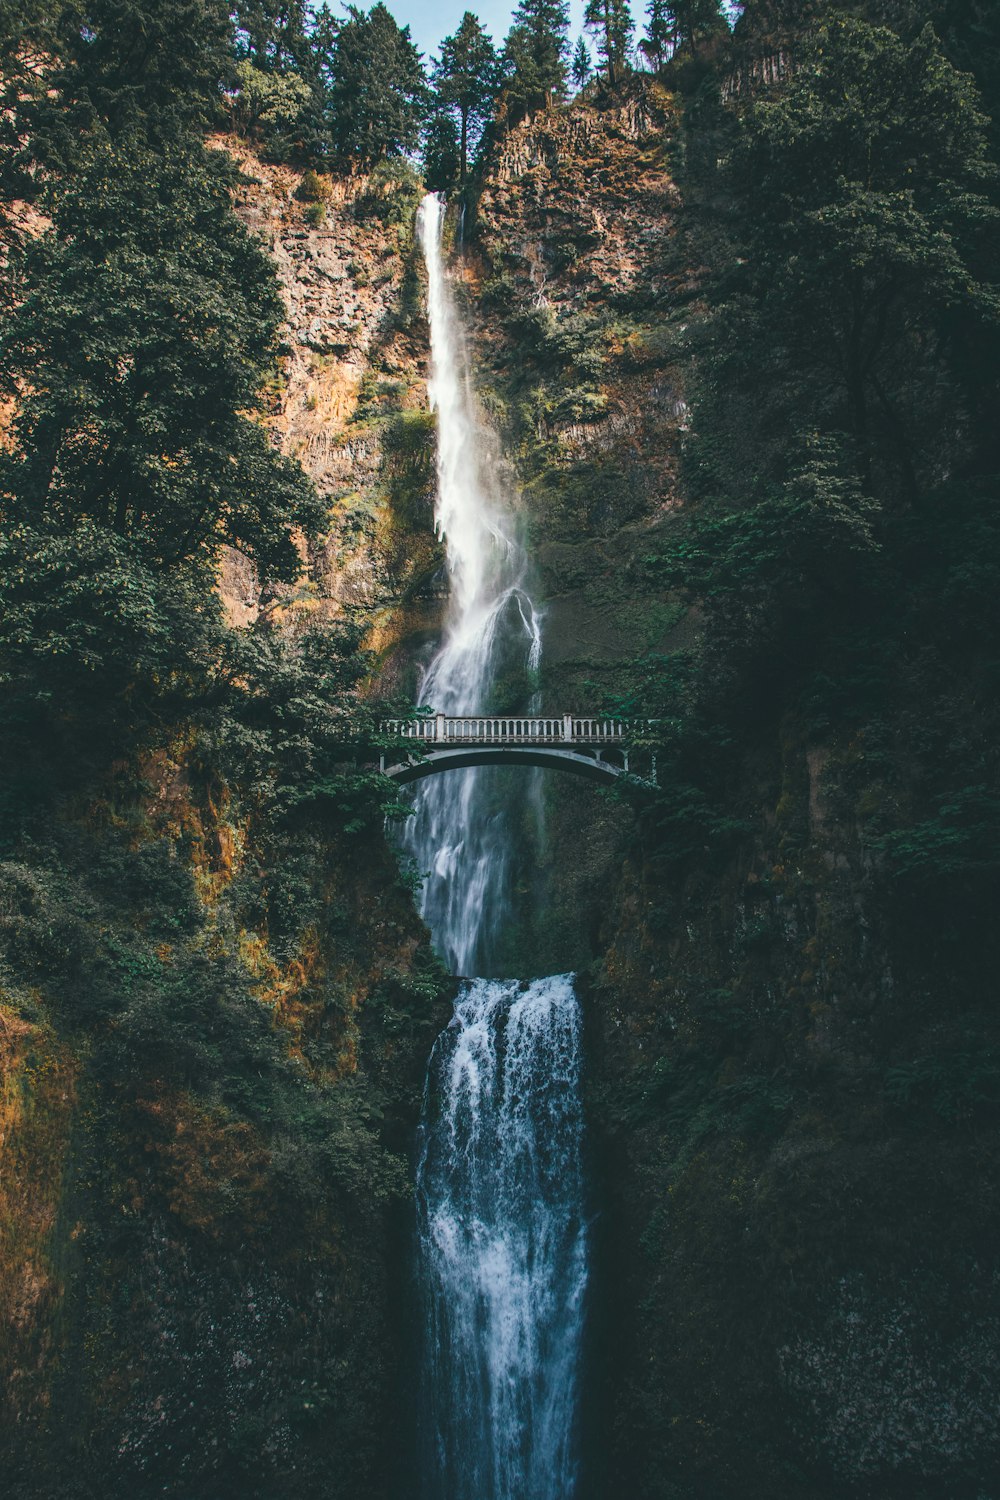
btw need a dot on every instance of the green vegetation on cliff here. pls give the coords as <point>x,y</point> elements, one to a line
<point>215,998</point>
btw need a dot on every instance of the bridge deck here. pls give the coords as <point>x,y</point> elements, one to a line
<point>562,729</point>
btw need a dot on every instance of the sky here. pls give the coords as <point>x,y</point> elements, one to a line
<point>430,20</point>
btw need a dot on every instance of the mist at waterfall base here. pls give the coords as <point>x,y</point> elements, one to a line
<point>502,1241</point>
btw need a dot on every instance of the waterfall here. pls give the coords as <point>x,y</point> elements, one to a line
<point>456,834</point>
<point>500,1196</point>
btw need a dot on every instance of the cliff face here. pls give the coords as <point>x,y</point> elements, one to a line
<point>796,1281</point>
<point>351,404</point>
<point>216,1006</point>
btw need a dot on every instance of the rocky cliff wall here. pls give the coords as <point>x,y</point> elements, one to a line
<point>797,1271</point>
<point>215,1009</point>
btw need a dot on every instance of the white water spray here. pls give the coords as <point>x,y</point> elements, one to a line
<point>503,1249</point>
<point>500,1195</point>
<point>456,834</point>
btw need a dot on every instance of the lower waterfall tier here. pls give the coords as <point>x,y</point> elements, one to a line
<point>503,1252</point>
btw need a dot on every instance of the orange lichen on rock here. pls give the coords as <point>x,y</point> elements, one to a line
<point>37,1097</point>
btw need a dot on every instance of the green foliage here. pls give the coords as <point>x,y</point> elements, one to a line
<point>94,643</point>
<point>273,108</point>
<point>864,188</point>
<point>394,189</point>
<point>442,153</point>
<point>111,70</point>
<point>612,25</point>
<point>958,843</point>
<point>466,76</point>
<point>581,67</point>
<point>376,89</point>
<point>147,323</point>
<point>534,58</point>
<point>960,1086</point>
<point>782,558</point>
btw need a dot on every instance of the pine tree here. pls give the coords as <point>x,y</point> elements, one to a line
<point>377,93</point>
<point>465,78</point>
<point>660,41</point>
<point>156,67</point>
<point>612,25</point>
<point>581,67</point>
<point>683,25</point>
<point>535,52</point>
<point>273,34</point>
<point>442,154</point>
<point>279,98</point>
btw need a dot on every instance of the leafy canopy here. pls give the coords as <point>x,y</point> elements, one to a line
<point>147,322</point>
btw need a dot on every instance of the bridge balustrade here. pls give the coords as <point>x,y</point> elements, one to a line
<point>476,729</point>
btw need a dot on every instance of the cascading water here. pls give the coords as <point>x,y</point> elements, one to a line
<point>500,1199</point>
<point>457,840</point>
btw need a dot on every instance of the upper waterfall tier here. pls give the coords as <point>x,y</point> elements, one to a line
<point>457,835</point>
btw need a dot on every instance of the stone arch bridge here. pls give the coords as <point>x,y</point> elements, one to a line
<point>595,748</point>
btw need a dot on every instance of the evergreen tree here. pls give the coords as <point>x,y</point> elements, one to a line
<point>377,93</point>
<point>535,52</point>
<point>279,99</point>
<point>147,319</point>
<point>683,25</point>
<point>274,35</point>
<point>465,78</point>
<point>442,153</point>
<point>122,67</point>
<point>581,68</point>
<point>612,25</point>
<point>869,238</point>
<point>660,41</point>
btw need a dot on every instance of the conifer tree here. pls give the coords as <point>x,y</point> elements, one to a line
<point>660,41</point>
<point>581,68</point>
<point>535,52</point>
<point>111,69</point>
<point>465,78</point>
<point>683,25</point>
<point>377,93</point>
<point>279,97</point>
<point>612,25</point>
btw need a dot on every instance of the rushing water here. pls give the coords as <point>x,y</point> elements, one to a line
<point>457,834</point>
<point>502,1238</point>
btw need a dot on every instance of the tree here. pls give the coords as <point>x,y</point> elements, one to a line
<point>660,41</point>
<point>279,96</point>
<point>535,52</point>
<point>581,67</point>
<point>612,25</point>
<point>466,77</point>
<point>685,24</point>
<point>376,90</point>
<point>146,321</point>
<point>870,232</point>
<point>442,154</point>
<point>124,67</point>
<point>273,34</point>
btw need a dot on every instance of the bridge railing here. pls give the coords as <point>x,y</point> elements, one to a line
<point>562,729</point>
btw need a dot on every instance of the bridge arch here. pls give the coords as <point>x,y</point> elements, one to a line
<point>577,763</point>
